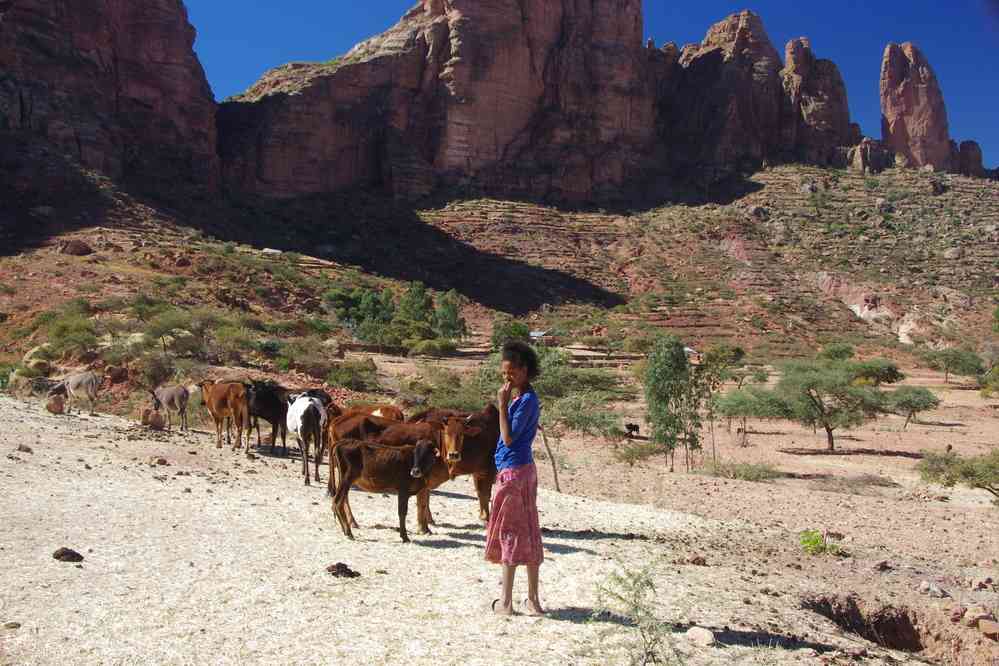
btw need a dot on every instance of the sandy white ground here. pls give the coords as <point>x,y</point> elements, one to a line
<point>233,571</point>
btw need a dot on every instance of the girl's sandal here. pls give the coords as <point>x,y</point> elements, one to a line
<point>502,610</point>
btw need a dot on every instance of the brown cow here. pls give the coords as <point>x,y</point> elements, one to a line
<point>469,451</point>
<point>390,412</point>
<point>227,400</point>
<point>378,468</point>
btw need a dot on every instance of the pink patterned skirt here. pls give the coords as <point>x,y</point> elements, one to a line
<point>513,536</point>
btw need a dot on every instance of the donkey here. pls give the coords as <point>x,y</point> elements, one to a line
<point>174,398</point>
<point>78,386</point>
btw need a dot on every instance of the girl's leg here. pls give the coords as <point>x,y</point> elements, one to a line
<point>533,600</point>
<point>506,602</point>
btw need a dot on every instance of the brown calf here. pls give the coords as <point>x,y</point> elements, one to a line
<point>227,400</point>
<point>378,468</point>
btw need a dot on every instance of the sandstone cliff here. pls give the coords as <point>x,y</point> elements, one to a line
<point>532,97</point>
<point>913,114</point>
<point>114,83</point>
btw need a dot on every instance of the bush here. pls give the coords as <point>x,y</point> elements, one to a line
<point>447,320</point>
<point>355,375</point>
<point>837,351</point>
<point>232,341</point>
<point>5,370</point>
<point>814,542</point>
<point>439,347</point>
<point>949,469</point>
<point>270,348</point>
<point>638,345</point>
<point>153,370</point>
<point>70,329</point>
<point>505,328</point>
<point>744,472</point>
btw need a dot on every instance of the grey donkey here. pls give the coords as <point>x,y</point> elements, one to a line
<point>79,386</point>
<point>175,399</point>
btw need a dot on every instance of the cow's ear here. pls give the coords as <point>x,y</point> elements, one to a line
<point>472,432</point>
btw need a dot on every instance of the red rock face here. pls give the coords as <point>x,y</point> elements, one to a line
<point>913,114</point>
<point>817,114</point>
<point>529,96</point>
<point>115,83</point>
<point>970,160</point>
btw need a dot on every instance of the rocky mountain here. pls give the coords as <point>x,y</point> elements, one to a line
<point>517,98</point>
<point>914,115</point>
<point>113,83</point>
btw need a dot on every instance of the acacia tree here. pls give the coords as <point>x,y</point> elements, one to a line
<point>750,403</point>
<point>826,395</point>
<point>950,469</point>
<point>961,362</point>
<point>716,368</point>
<point>908,401</point>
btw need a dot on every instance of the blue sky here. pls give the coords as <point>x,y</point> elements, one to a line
<point>239,41</point>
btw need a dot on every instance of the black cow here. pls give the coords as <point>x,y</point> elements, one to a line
<point>269,401</point>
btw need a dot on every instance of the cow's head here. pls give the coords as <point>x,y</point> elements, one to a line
<point>424,456</point>
<point>453,436</point>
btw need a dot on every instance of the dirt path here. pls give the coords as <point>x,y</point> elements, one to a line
<point>216,558</point>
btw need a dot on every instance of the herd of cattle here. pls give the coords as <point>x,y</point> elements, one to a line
<point>372,447</point>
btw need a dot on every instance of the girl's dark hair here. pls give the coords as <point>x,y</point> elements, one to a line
<point>521,354</point>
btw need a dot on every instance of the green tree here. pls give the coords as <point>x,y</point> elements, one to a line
<point>673,397</point>
<point>717,367</point>
<point>826,395</point>
<point>750,403</point>
<point>960,362</point>
<point>877,371</point>
<point>837,351</point>
<point>447,321</point>
<point>416,303</point>
<point>949,469</point>
<point>908,401</point>
<point>164,324</point>
<point>507,328</point>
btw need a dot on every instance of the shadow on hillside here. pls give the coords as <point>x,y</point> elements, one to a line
<point>853,452</point>
<point>940,424</point>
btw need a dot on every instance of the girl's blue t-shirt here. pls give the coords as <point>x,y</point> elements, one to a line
<point>523,414</point>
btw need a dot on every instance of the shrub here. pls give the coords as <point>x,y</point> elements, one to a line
<point>270,348</point>
<point>153,370</point>
<point>908,401</point>
<point>744,471</point>
<point>506,328</point>
<point>439,347</point>
<point>814,542</point>
<point>631,597</point>
<point>355,375</point>
<point>638,344</point>
<point>949,469</point>
<point>144,307</point>
<point>232,341</point>
<point>70,329</point>
<point>165,324</point>
<point>837,351</point>
<point>7,290</point>
<point>5,370</point>
<point>876,372</point>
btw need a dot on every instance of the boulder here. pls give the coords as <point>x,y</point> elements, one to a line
<point>869,157</point>
<point>116,374</point>
<point>67,555</point>
<point>114,84</point>
<point>913,114</point>
<point>700,636</point>
<point>56,405</point>
<point>989,629</point>
<point>816,118</point>
<point>76,248</point>
<point>156,421</point>
<point>953,253</point>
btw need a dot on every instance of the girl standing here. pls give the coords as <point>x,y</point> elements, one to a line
<point>514,536</point>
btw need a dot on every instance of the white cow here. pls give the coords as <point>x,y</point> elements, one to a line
<point>307,420</point>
